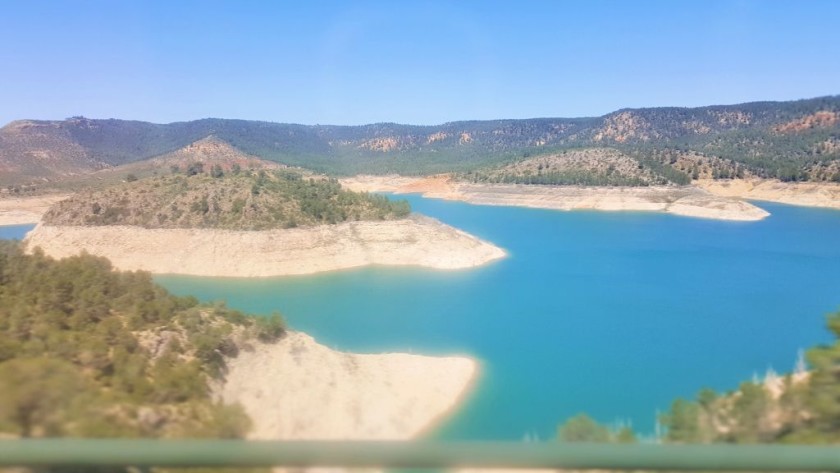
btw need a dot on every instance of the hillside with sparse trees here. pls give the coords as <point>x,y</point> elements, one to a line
<point>195,197</point>
<point>791,141</point>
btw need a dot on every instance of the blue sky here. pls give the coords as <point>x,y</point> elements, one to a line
<point>423,62</point>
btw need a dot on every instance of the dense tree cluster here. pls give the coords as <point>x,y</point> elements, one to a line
<point>88,351</point>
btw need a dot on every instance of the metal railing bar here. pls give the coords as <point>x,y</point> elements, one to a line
<point>239,453</point>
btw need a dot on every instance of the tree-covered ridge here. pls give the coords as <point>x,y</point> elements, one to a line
<point>785,140</point>
<point>237,200</point>
<point>798,408</point>
<point>589,167</point>
<point>797,140</point>
<point>681,166</point>
<point>88,351</point>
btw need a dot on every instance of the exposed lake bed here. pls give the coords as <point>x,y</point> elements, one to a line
<point>417,241</point>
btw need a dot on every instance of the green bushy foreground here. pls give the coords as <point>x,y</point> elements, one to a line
<point>800,409</point>
<point>88,351</point>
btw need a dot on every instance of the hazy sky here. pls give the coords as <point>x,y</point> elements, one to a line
<point>419,62</point>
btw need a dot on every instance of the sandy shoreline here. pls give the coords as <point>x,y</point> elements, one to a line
<point>26,210</point>
<point>809,194</point>
<point>298,389</point>
<point>707,198</point>
<point>686,200</point>
<point>678,201</point>
<point>417,241</point>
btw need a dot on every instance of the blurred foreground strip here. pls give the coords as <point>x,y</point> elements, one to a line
<point>228,453</point>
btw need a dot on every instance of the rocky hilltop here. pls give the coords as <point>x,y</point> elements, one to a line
<point>209,153</point>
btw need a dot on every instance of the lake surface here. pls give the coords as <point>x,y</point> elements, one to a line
<point>613,314</point>
<point>14,232</point>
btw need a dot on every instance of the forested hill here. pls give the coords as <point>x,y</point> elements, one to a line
<point>88,351</point>
<point>798,140</point>
<point>196,197</point>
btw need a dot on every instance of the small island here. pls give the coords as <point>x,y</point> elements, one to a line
<point>230,222</point>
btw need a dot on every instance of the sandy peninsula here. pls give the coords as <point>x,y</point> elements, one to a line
<point>417,241</point>
<point>26,210</point>
<point>810,194</point>
<point>685,200</point>
<point>301,390</point>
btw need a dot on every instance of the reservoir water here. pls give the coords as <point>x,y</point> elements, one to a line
<point>613,314</point>
<point>14,232</point>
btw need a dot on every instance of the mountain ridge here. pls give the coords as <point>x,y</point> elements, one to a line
<point>794,140</point>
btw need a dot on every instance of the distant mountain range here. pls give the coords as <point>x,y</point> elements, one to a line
<point>797,140</point>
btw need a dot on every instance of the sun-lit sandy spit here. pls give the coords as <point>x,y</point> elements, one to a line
<point>418,241</point>
<point>298,389</point>
<point>24,210</point>
<point>679,200</point>
<point>810,194</point>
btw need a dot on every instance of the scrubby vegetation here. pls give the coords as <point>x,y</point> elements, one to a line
<point>242,200</point>
<point>799,408</point>
<point>802,408</point>
<point>682,165</point>
<point>588,167</point>
<point>88,351</point>
<point>583,428</point>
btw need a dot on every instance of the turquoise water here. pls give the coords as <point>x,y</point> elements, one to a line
<point>614,314</point>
